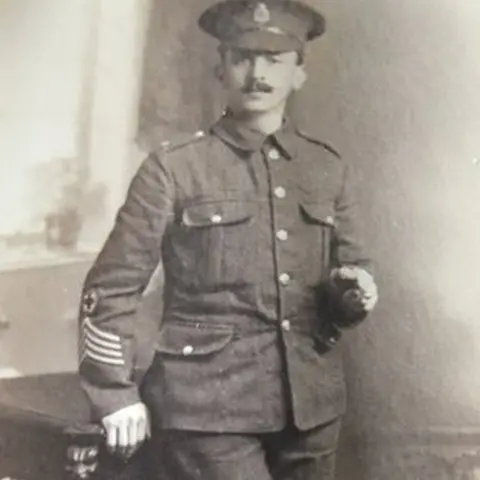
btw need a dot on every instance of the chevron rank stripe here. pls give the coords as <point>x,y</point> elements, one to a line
<point>99,345</point>
<point>101,359</point>
<point>92,346</point>
<point>87,322</point>
<point>102,343</point>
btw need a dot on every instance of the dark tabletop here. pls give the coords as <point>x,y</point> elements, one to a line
<point>54,395</point>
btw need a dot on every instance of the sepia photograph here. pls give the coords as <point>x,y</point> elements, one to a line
<point>239,240</point>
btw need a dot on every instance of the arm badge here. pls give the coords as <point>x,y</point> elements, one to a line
<point>90,301</point>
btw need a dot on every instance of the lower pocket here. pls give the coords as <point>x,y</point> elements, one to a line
<point>192,340</point>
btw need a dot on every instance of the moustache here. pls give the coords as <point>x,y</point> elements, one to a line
<point>255,86</point>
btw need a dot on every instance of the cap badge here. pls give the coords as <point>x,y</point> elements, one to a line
<point>261,14</point>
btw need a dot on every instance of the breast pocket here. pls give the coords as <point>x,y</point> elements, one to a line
<point>318,225</point>
<point>217,235</point>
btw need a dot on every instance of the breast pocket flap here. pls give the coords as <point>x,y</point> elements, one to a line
<point>210,214</point>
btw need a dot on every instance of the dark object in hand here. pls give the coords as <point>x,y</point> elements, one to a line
<point>341,281</point>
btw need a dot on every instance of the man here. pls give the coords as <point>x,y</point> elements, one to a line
<point>253,225</point>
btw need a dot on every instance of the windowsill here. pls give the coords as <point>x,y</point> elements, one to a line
<point>21,258</point>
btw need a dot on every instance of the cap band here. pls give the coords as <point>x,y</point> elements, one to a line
<point>265,40</point>
<point>280,25</point>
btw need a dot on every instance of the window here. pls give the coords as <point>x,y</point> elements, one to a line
<point>66,123</point>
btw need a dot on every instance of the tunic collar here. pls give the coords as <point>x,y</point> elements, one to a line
<point>242,137</point>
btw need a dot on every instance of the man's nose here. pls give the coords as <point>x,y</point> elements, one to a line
<point>258,67</point>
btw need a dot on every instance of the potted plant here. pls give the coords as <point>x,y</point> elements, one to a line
<point>64,218</point>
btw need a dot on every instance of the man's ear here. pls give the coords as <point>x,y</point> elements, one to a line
<point>299,77</point>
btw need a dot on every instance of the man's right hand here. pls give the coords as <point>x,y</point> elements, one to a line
<point>127,429</point>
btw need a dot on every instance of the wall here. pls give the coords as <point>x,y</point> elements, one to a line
<point>178,81</point>
<point>400,100</point>
<point>402,103</point>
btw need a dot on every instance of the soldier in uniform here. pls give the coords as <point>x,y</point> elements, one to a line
<point>253,224</point>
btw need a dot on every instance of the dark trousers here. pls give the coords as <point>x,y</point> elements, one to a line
<point>287,455</point>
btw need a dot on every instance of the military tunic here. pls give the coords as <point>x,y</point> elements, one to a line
<point>247,229</point>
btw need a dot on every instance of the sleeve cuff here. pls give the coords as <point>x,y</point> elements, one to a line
<point>105,401</point>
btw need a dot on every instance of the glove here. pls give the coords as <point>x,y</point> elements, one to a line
<point>355,288</point>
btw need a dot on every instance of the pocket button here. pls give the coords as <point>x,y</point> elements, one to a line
<point>187,350</point>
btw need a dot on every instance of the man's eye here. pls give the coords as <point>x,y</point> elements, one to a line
<point>239,58</point>
<point>274,60</point>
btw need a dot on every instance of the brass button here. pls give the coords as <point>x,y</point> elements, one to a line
<point>199,134</point>
<point>286,326</point>
<point>332,341</point>
<point>217,218</point>
<point>273,154</point>
<point>280,192</point>
<point>330,220</point>
<point>284,278</point>
<point>187,350</point>
<point>282,234</point>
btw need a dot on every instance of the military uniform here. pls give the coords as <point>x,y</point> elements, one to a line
<point>246,229</point>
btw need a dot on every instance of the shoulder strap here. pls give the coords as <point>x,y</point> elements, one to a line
<point>181,141</point>
<point>313,139</point>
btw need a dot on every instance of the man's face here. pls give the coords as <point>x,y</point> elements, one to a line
<point>259,82</point>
